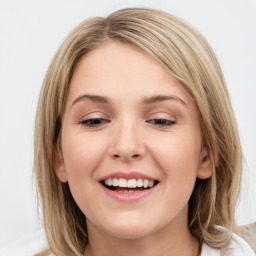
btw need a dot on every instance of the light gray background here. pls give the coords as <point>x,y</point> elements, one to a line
<point>31,31</point>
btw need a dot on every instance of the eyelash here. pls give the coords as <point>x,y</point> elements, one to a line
<point>93,122</point>
<point>162,122</point>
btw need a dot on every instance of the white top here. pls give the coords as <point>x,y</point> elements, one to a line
<point>32,244</point>
<point>236,247</point>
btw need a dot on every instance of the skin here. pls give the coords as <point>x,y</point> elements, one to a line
<point>128,136</point>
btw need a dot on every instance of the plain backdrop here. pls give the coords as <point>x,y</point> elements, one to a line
<point>30,33</point>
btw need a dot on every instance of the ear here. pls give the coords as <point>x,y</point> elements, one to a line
<point>206,165</point>
<point>59,167</point>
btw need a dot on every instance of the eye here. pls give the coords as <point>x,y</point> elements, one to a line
<point>93,122</point>
<point>162,122</point>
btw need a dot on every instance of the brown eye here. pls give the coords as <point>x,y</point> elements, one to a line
<point>162,122</point>
<point>92,122</point>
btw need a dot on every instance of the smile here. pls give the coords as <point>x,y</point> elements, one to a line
<point>128,185</point>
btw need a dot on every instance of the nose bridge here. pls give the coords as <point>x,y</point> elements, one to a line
<point>127,142</point>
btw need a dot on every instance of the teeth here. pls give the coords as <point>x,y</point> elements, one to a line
<point>110,182</point>
<point>128,191</point>
<point>151,183</point>
<point>139,183</point>
<point>122,183</point>
<point>131,183</point>
<point>115,182</point>
<point>145,183</point>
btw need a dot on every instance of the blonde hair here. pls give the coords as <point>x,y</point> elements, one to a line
<point>187,56</point>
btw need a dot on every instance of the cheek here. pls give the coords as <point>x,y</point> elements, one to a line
<point>178,157</point>
<point>178,150</point>
<point>81,154</point>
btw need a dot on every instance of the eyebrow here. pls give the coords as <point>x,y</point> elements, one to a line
<point>95,98</point>
<point>145,100</point>
<point>159,98</point>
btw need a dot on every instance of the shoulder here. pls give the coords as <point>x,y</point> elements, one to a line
<point>236,247</point>
<point>26,246</point>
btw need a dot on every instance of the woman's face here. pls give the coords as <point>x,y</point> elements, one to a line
<point>131,144</point>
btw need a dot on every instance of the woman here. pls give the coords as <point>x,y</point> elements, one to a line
<point>136,146</point>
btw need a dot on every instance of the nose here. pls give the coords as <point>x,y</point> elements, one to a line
<point>127,143</point>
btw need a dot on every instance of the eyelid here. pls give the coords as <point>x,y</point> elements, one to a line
<point>93,122</point>
<point>85,119</point>
<point>161,119</point>
<point>162,122</point>
<point>93,115</point>
<point>162,115</point>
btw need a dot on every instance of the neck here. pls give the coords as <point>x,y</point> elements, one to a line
<point>173,239</point>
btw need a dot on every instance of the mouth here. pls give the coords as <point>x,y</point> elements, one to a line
<point>122,185</point>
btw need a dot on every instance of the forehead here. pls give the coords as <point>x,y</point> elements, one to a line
<point>117,69</point>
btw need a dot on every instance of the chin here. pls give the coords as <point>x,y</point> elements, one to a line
<point>129,230</point>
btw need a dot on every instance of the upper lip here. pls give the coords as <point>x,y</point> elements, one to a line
<point>126,175</point>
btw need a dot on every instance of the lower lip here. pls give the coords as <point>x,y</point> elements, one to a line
<point>128,197</point>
